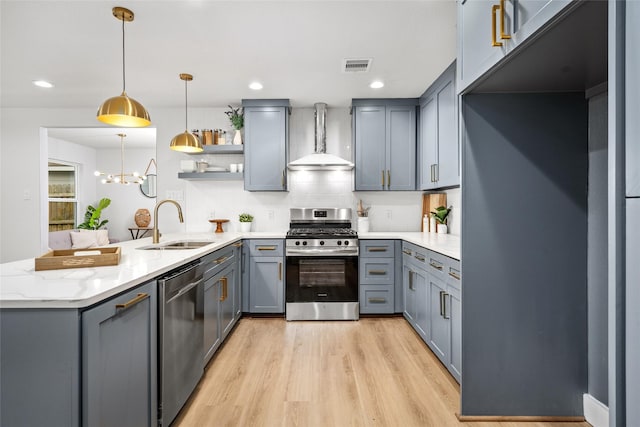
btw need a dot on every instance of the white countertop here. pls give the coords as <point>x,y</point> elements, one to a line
<point>23,287</point>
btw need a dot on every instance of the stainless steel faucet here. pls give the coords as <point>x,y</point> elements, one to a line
<point>156,232</point>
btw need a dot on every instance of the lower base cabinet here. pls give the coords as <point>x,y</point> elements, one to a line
<point>119,360</point>
<point>433,303</point>
<point>266,276</point>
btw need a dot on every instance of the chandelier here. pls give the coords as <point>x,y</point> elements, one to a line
<point>121,178</point>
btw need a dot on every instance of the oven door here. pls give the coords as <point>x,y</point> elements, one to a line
<point>322,279</point>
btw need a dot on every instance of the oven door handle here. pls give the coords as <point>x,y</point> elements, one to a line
<point>326,252</point>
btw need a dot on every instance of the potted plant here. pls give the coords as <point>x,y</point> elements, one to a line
<point>245,222</point>
<point>236,117</point>
<point>92,216</point>
<point>441,213</point>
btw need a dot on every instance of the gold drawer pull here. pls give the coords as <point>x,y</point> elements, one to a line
<point>221,260</point>
<point>378,272</point>
<point>133,301</point>
<point>406,252</point>
<point>435,265</point>
<point>238,244</point>
<point>266,248</point>
<point>454,275</point>
<point>419,258</point>
<point>377,249</point>
<point>377,300</point>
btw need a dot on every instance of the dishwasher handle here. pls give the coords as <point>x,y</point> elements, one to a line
<point>183,270</point>
<point>185,289</point>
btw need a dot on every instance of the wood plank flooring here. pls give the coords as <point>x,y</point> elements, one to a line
<point>373,372</point>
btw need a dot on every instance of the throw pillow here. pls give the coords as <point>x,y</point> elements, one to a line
<point>102,236</point>
<point>83,240</point>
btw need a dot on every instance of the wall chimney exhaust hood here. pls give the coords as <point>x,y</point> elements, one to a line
<point>320,160</point>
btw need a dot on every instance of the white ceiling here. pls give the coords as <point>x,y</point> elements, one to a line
<point>294,48</point>
<point>103,137</point>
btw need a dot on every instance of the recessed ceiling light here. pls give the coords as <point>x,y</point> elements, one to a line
<point>255,86</point>
<point>43,83</point>
<point>376,84</point>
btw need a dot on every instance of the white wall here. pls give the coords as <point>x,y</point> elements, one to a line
<point>125,199</point>
<point>21,147</point>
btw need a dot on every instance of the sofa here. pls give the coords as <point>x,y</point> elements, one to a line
<point>65,240</point>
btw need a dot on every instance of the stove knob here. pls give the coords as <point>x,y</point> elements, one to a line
<point>297,243</point>
<point>346,242</point>
<point>339,242</point>
<point>304,243</point>
<point>321,242</point>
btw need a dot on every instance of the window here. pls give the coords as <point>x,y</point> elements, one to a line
<point>63,197</point>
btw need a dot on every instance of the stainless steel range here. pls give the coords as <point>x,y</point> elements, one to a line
<point>321,265</point>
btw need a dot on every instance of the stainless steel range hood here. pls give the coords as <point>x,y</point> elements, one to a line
<point>320,160</point>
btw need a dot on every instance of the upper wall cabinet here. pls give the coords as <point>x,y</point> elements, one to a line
<point>632,103</point>
<point>439,147</point>
<point>266,141</point>
<point>384,134</point>
<point>489,30</point>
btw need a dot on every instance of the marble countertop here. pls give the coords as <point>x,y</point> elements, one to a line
<point>23,287</point>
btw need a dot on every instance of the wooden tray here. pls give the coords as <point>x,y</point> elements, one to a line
<point>66,258</point>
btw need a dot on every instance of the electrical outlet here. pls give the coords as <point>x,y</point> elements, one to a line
<point>176,195</point>
<point>26,195</point>
<point>389,214</point>
<point>270,215</point>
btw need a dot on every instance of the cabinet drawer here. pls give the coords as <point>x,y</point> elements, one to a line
<point>377,271</point>
<point>454,277</point>
<point>376,299</point>
<point>376,248</point>
<point>266,247</point>
<point>436,264</point>
<point>216,261</point>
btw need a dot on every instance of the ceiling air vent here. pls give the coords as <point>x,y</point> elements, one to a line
<point>356,65</point>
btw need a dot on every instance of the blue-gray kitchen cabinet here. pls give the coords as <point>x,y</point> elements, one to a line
<point>416,292</point>
<point>227,297</point>
<point>266,276</point>
<point>439,146</point>
<point>119,354</point>
<point>440,336</point>
<point>477,52</point>
<point>239,257</point>
<point>384,135</point>
<point>266,140</point>
<point>377,276</point>
<point>455,318</point>
<point>212,337</point>
<point>632,100</point>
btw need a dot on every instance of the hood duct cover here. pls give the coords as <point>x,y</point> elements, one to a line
<point>320,160</point>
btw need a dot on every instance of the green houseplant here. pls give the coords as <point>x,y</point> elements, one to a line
<point>441,214</point>
<point>92,216</point>
<point>236,117</point>
<point>245,222</point>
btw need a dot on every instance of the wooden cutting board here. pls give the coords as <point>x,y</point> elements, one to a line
<point>430,201</point>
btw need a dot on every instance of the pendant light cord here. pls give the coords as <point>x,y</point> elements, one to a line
<point>123,74</point>
<point>185,106</point>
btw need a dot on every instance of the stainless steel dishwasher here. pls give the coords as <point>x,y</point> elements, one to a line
<point>180,338</point>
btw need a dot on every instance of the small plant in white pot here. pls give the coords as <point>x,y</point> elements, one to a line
<point>441,213</point>
<point>245,222</point>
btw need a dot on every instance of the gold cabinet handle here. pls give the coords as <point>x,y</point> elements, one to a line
<point>406,252</point>
<point>224,282</point>
<point>383,179</point>
<point>378,272</point>
<point>418,257</point>
<point>454,275</point>
<point>238,244</point>
<point>435,265</point>
<point>377,300</point>
<point>503,35</point>
<point>494,42</point>
<point>221,260</point>
<point>133,301</point>
<point>377,249</point>
<point>279,271</point>
<point>266,248</point>
<point>389,179</point>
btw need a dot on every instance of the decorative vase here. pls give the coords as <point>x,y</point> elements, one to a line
<point>245,227</point>
<point>363,224</point>
<point>443,229</point>
<point>142,218</point>
<point>237,138</point>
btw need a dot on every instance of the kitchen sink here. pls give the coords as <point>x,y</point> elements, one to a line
<point>183,244</point>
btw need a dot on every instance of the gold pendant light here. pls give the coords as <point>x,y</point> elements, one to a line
<point>186,141</point>
<point>122,110</point>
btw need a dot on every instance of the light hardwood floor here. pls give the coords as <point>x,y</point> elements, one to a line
<point>373,372</point>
